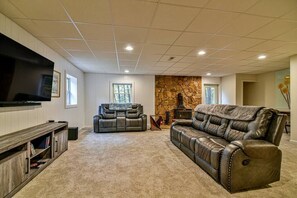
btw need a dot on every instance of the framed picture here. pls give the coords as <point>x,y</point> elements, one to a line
<point>56,84</point>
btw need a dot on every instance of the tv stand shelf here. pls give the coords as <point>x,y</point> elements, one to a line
<point>24,154</point>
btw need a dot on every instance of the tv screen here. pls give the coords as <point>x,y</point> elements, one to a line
<point>25,76</point>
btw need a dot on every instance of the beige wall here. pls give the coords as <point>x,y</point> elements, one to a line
<point>293,75</point>
<point>228,84</point>
<point>16,118</point>
<point>97,91</point>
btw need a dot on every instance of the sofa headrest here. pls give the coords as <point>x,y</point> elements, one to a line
<point>232,112</point>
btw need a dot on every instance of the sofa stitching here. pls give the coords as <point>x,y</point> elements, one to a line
<point>230,168</point>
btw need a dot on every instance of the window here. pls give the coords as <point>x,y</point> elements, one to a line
<point>71,91</point>
<point>211,94</point>
<point>122,92</point>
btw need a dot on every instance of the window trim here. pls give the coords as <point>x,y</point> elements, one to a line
<point>67,106</point>
<point>111,95</point>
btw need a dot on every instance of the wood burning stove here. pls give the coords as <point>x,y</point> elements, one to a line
<point>181,112</point>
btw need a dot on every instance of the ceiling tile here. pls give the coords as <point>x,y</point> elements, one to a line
<point>94,11</point>
<point>41,10</point>
<point>219,41</point>
<point>192,39</point>
<point>222,54</point>
<point>289,48</point>
<point>245,55</point>
<point>10,10</point>
<point>188,59</point>
<point>231,5</point>
<point>289,36</point>
<point>101,46</point>
<point>127,63</point>
<point>162,36</point>
<point>96,32</point>
<point>164,64</point>
<point>191,3</point>
<point>133,13</point>
<point>168,58</point>
<point>178,50</point>
<point>128,56</point>
<point>266,46</point>
<point>81,54</point>
<point>181,65</point>
<point>243,43</point>
<point>272,8</point>
<point>244,24</point>
<point>72,44</point>
<point>291,15</point>
<point>155,49</point>
<point>148,58</point>
<point>274,29</point>
<point>51,43</point>
<point>105,55</point>
<point>31,27</point>
<point>57,29</point>
<point>210,21</point>
<point>130,34</point>
<point>173,17</point>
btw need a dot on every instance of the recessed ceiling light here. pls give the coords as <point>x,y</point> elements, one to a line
<point>261,57</point>
<point>208,74</point>
<point>129,48</point>
<point>201,52</point>
<point>126,71</point>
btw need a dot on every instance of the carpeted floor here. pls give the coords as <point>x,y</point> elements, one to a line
<point>142,164</point>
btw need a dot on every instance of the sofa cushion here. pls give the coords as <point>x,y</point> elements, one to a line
<point>256,129</point>
<point>208,150</point>
<point>188,135</point>
<point>236,130</point>
<point>132,115</point>
<point>107,123</point>
<point>133,122</point>
<point>200,120</point>
<point>109,115</point>
<point>216,126</point>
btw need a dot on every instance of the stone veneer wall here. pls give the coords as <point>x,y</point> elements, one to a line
<point>167,88</point>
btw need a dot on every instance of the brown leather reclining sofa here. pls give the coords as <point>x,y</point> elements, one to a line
<point>236,145</point>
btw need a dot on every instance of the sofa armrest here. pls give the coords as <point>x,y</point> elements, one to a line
<point>182,123</point>
<point>144,121</point>
<point>96,119</point>
<point>249,164</point>
<point>258,149</point>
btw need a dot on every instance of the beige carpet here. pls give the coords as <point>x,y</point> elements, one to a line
<point>142,164</point>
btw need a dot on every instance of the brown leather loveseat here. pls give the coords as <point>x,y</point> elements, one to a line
<point>236,145</point>
<point>119,117</point>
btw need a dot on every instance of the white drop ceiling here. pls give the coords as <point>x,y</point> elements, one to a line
<point>93,34</point>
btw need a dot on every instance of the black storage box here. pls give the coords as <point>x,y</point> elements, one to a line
<point>72,133</point>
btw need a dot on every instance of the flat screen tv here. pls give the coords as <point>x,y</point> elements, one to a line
<point>25,76</point>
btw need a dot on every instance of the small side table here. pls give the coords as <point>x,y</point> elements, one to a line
<point>72,133</point>
<point>288,124</point>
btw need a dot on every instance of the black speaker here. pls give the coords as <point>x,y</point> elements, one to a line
<point>72,133</point>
